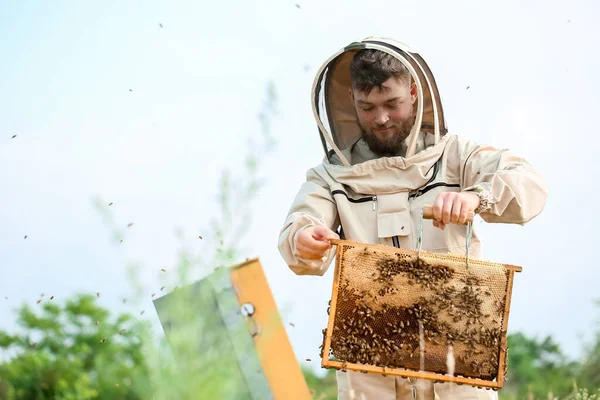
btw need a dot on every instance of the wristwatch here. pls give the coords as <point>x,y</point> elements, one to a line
<point>486,200</point>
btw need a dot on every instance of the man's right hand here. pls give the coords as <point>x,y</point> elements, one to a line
<point>313,242</point>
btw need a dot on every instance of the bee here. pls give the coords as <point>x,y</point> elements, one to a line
<point>162,288</point>
<point>292,324</point>
<point>129,225</point>
<point>97,294</point>
<point>153,294</point>
<point>142,313</point>
<point>14,136</point>
<point>103,340</point>
<point>39,301</point>
<point>51,297</point>
<point>308,359</point>
<point>122,331</point>
<point>200,237</point>
<point>33,345</point>
<point>97,323</point>
<point>25,237</point>
<point>163,270</point>
<point>110,204</point>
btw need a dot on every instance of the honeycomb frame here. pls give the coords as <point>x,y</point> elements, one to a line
<point>450,302</point>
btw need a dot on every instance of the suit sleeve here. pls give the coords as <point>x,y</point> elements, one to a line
<point>512,191</point>
<point>313,205</point>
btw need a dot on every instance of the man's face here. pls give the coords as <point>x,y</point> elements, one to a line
<point>386,115</point>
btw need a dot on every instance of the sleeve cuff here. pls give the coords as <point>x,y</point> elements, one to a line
<point>486,200</point>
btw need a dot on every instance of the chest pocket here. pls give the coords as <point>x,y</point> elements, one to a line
<point>393,215</point>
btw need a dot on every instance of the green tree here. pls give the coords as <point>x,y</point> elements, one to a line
<point>74,350</point>
<point>323,388</point>
<point>537,367</point>
<point>589,375</point>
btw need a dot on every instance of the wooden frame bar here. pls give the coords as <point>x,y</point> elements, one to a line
<point>406,373</point>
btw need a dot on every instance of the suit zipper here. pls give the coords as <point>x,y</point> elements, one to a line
<point>420,192</point>
<point>374,203</point>
<point>351,200</point>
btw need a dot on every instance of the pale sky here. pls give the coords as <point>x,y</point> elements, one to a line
<point>196,86</point>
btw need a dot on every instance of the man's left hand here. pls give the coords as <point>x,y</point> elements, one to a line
<point>453,208</point>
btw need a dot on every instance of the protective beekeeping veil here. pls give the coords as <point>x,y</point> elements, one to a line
<point>335,112</point>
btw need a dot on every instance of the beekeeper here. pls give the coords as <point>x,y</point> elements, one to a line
<point>387,154</point>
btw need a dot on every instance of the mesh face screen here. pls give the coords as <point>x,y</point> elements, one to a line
<point>393,310</point>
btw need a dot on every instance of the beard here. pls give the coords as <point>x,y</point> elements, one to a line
<point>395,142</point>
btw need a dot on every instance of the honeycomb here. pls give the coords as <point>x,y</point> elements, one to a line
<point>391,308</point>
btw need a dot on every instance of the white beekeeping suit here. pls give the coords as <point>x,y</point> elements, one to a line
<point>378,199</point>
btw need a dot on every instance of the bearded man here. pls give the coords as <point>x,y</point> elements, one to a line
<point>387,154</point>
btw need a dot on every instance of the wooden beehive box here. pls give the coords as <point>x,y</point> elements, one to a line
<point>429,317</point>
<point>234,308</point>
